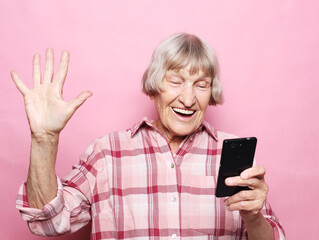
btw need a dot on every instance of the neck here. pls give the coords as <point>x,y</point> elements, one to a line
<point>174,141</point>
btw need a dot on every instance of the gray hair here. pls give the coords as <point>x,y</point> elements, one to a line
<point>176,53</point>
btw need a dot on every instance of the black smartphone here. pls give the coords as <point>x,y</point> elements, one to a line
<point>237,155</point>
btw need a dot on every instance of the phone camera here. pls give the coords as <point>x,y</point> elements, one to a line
<point>233,145</point>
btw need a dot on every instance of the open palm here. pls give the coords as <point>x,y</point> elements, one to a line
<point>46,110</point>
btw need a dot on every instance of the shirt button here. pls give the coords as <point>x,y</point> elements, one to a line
<point>191,139</point>
<point>174,236</point>
<point>173,199</point>
<point>172,165</point>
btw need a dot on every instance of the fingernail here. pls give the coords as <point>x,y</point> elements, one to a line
<point>244,176</point>
<point>49,52</point>
<point>65,55</point>
<point>88,94</point>
<point>229,181</point>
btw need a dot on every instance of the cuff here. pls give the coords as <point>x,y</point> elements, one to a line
<point>278,230</point>
<point>49,210</point>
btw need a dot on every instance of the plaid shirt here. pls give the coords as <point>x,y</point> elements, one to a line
<point>131,186</point>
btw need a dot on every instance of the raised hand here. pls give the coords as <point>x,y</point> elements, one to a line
<point>47,114</point>
<point>46,110</point>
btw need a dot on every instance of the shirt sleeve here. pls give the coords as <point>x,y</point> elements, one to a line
<point>279,233</point>
<point>67,212</point>
<point>269,214</point>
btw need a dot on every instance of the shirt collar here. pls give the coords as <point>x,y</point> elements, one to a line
<point>209,128</point>
<point>139,125</point>
<point>146,122</point>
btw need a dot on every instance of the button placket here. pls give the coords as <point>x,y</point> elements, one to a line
<point>173,221</point>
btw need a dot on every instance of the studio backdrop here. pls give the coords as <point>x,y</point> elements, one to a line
<point>268,53</point>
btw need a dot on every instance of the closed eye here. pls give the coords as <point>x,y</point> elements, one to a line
<point>203,84</point>
<point>174,80</point>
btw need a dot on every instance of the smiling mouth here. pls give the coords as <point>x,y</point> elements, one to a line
<point>184,112</point>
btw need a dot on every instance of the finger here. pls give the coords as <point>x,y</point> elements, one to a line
<point>75,103</point>
<point>36,70</point>
<point>245,195</point>
<point>63,69</point>
<point>49,65</point>
<point>251,206</point>
<point>238,181</point>
<point>19,84</point>
<point>256,171</point>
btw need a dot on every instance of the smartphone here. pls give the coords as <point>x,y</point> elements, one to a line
<point>237,155</point>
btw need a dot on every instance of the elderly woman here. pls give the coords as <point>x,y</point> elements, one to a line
<point>156,180</point>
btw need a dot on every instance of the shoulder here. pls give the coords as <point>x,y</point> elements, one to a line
<point>224,135</point>
<point>103,149</point>
<point>119,140</point>
<point>215,133</point>
<point>111,140</point>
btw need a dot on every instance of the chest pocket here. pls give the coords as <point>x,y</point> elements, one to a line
<point>202,212</point>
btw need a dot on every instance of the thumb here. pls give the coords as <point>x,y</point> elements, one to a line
<point>18,82</point>
<point>75,103</point>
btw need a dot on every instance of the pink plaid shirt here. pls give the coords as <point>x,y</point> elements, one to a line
<point>131,186</point>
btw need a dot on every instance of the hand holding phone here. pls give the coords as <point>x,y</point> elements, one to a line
<point>250,203</point>
<point>237,156</point>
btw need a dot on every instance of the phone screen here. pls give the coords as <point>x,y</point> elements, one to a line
<point>237,155</point>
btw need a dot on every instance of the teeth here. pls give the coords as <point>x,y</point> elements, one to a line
<point>183,111</point>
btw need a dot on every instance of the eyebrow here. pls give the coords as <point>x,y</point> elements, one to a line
<point>205,75</point>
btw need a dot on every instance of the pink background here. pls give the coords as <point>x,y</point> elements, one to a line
<point>268,52</point>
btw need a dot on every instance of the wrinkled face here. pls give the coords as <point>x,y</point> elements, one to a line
<point>182,104</point>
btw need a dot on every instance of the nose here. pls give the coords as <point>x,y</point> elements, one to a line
<point>187,96</point>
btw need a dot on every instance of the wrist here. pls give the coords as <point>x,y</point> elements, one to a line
<point>39,137</point>
<point>257,226</point>
<point>251,218</point>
